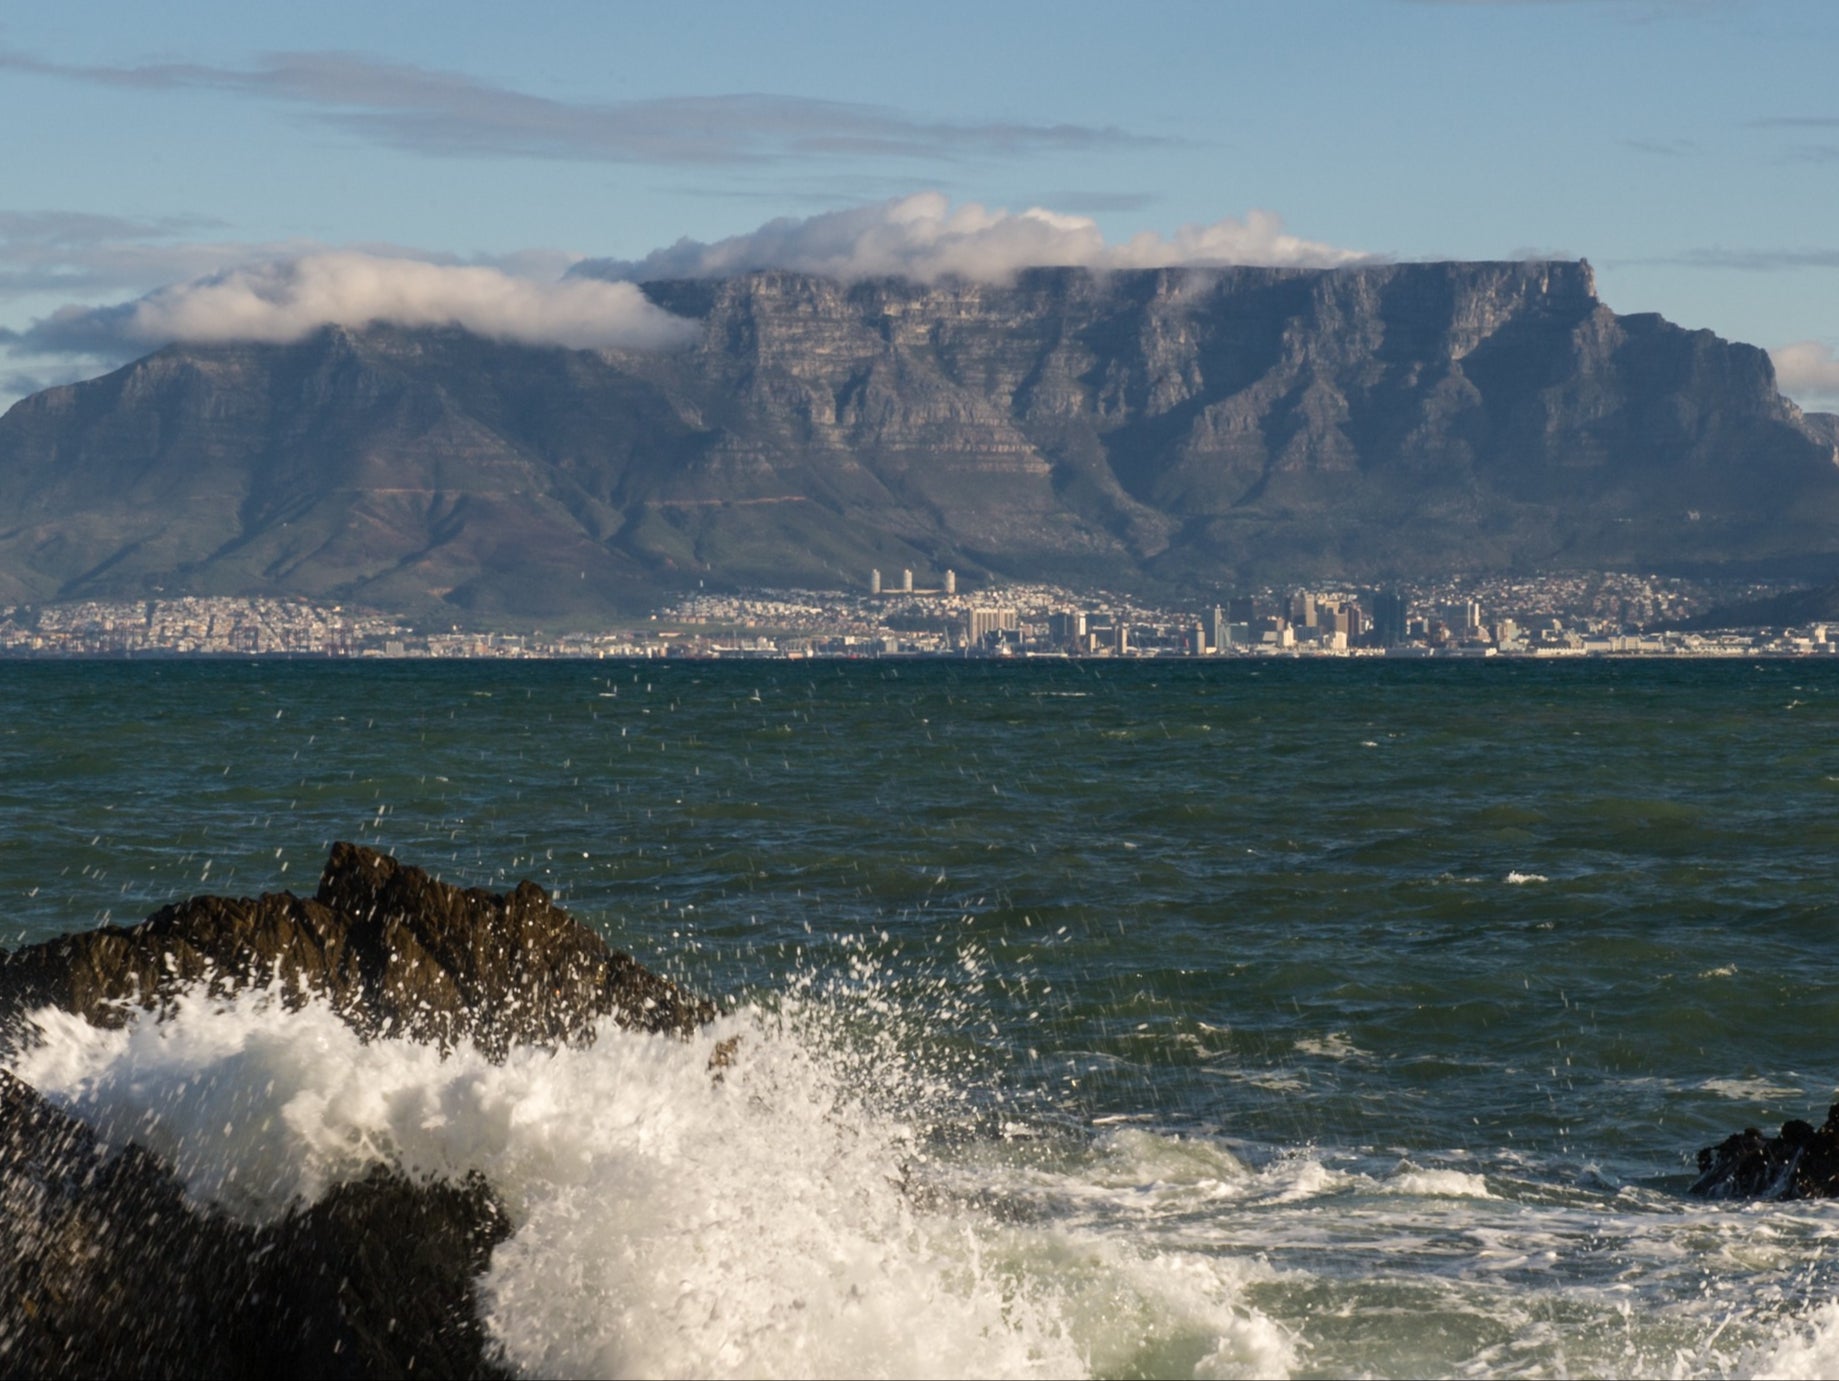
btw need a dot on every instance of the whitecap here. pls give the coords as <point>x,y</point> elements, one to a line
<point>1750,1090</point>
<point>1442,1184</point>
<point>1335,1045</point>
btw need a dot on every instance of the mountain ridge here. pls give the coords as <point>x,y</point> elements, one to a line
<point>1135,427</point>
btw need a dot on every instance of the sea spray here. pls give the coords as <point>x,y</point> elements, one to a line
<point>834,1201</point>
<point>789,1217</point>
<point>835,1178</point>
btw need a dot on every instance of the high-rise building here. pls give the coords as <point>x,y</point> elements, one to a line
<point>906,582</point>
<point>951,582</point>
<point>1303,609</point>
<point>984,625</point>
<point>1067,629</point>
<point>1464,618</point>
<point>1219,634</point>
<point>874,582</point>
<point>1389,618</point>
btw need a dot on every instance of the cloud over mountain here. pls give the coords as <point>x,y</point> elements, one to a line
<point>1808,371</point>
<point>280,296</point>
<point>924,237</point>
<point>283,300</point>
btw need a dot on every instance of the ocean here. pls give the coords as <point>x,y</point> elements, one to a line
<point>1158,1018</point>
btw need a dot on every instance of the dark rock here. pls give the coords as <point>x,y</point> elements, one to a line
<point>107,1269</point>
<point>1801,1162</point>
<point>394,951</point>
<point>378,1278</point>
<point>110,1272</point>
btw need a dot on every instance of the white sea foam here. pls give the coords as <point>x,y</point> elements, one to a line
<point>1335,1045</point>
<point>1750,1090</point>
<point>803,1216</point>
<point>1811,1350</point>
<point>772,1223</point>
<point>1269,1080</point>
<point>1516,878</point>
<point>1456,1184</point>
<point>1132,1174</point>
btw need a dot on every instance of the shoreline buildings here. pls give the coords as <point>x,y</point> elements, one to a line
<point>1554,616</point>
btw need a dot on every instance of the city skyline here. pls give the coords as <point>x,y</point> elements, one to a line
<point>1573,614</point>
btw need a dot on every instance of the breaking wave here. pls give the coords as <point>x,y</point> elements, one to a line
<point>798,1215</point>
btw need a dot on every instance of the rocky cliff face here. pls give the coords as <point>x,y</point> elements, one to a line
<point>1171,424</point>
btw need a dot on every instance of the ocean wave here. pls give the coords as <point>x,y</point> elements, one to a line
<point>1750,1090</point>
<point>1335,1045</point>
<point>1810,1351</point>
<point>1453,1184</point>
<point>846,1200</point>
<point>792,1217</point>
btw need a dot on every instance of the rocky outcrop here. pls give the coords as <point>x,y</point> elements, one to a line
<point>109,1270</point>
<point>393,950</point>
<point>1169,425</point>
<point>1800,1162</point>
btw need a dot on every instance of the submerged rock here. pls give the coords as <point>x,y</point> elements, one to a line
<point>1801,1162</point>
<point>108,1269</point>
<point>393,950</point>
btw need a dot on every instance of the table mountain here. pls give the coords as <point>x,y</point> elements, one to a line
<point>1154,427</point>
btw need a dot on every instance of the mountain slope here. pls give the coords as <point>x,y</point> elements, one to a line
<point>1157,426</point>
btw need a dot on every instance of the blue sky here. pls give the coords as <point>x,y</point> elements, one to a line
<point>1688,148</point>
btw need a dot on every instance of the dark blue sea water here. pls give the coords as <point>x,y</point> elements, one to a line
<point>1157,1017</point>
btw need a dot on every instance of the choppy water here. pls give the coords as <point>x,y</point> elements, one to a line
<point>1170,1019</point>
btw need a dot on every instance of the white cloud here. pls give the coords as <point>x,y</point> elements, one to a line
<point>1808,372</point>
<point>924,237</point>
<point>278,293</point>
<point>286,299</point>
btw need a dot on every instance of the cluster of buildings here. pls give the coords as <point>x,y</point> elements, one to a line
<point>194,626</point>
<point>1559,616</point>
<point>1563,616</point>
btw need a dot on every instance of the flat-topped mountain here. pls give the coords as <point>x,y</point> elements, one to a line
<point>1146,427</point>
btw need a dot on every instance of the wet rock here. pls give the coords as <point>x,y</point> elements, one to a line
<point>107,1269</point>
<point>1800,1162</point>
<point>393,950</point>
<point>378,1278</point>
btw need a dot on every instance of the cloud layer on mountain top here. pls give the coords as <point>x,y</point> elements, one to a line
<point>924,237</point>
<point>283,300</point>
